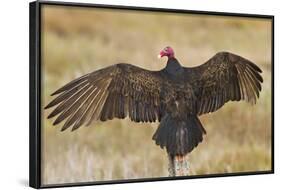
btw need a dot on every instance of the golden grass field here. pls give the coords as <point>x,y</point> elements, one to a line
<point>76,41</point>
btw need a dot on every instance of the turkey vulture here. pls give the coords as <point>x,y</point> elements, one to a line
<point>175,96</point>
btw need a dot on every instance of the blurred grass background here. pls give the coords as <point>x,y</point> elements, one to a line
<point>76,41</point>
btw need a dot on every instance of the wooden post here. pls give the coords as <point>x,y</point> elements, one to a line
<point>178,165</point>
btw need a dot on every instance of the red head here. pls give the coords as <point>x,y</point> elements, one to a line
<point>167,51</point>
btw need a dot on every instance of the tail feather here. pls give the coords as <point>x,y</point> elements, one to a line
<point>179,137</point>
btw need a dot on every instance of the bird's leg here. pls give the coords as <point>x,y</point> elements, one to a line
<point>178,165</point>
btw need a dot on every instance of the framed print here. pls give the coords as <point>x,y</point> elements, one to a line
<point>104,109</point>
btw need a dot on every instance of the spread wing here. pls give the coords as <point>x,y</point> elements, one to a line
<point>114,92</point>
<point>225,77</point>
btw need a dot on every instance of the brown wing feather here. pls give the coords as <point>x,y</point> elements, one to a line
<point>114,92</point>
<point>225,77</point>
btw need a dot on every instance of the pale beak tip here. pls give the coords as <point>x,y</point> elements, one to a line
<point>159,56</point>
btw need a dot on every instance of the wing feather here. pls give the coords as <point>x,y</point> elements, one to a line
<point>71,85</point>
<point>68,102</point>
<point>225,77</point>
<point>114,92</point>
<point>70,110</point>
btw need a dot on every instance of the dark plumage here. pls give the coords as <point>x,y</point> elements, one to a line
<point>175,96</point>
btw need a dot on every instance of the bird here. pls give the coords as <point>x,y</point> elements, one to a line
<point>174,96</point>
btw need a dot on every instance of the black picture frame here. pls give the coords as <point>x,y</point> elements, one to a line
<point>35,92</point>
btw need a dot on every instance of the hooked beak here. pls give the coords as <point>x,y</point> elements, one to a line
<point>161,54</point>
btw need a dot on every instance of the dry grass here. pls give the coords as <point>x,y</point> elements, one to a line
<point>77,41</point>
